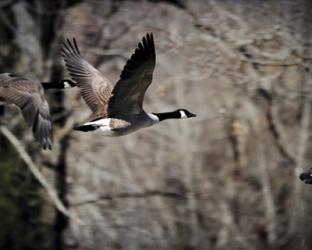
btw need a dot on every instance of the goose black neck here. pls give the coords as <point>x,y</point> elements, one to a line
<point>59,84</point>
<point>53,85</point>
<point>168,115</point>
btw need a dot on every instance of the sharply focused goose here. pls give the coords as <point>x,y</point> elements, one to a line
<point>28,95</point>
<point>118,111</point>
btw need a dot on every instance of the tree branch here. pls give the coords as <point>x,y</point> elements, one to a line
<point>147,194</point>
<point>40,178</point>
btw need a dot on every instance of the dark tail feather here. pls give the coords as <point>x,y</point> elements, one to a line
<point>87,128</point>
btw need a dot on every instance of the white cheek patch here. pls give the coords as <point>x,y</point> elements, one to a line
<point>182,114</point>
<point>66,84</point>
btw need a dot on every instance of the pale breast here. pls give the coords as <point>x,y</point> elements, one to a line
<point>118,123</point>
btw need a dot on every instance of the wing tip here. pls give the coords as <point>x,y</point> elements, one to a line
<point>42,130</point>
<point>46,145</point>
<point>70,47</point>
<point>46,142</point>
<point>146,45</point>
<point>145,50</point>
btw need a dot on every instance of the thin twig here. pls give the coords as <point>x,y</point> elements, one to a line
<point>271,63</point>
<point>303,139</point>
<point>144,195</point>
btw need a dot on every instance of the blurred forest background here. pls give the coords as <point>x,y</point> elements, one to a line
<point>225,180</point>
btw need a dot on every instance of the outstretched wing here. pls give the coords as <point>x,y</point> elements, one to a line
<point>29,97</point>
<point>128,94</point>
<point>95,88</point>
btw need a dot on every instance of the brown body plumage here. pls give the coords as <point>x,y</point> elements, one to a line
<point>29,97</point>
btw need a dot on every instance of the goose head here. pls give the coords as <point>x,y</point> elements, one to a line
<point>184,113</point>
<point>177,114</point>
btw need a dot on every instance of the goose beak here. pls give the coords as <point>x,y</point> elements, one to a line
<point>192,115</point>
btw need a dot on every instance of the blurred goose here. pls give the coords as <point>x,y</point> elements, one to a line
<point>118,111</point>
<point>28,95</point>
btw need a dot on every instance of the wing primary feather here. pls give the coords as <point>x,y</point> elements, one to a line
<point>144,43</point>
<point>66,48</point>
<point>72,47</point>
<point>76,46</point>
<point>136,76</point>
<point>92,84</point>
<point>35,123</point>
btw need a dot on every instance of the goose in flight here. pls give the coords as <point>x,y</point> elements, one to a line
<point>28,95</point>
<point>117,110</point>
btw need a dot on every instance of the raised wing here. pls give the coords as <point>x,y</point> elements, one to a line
<point>128,94</point>
<point>29,97</point>
<point>95,88</point>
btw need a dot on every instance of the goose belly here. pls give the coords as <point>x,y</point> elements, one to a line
<point>119,127</point>
<point>110,127</point>
<point>125,130</point>
<point>134,123</point>
<point>105,130</point>
<point>100,127</point>
<point>115,132</point>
